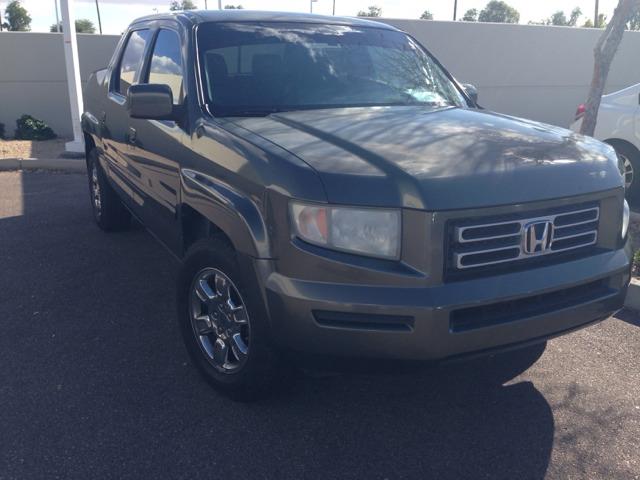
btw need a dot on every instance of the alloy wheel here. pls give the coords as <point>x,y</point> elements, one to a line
<point>628,172</point>
<point>219,320</point>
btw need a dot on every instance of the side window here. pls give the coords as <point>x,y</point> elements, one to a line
<point>166,63</point>
<point>131,61</point>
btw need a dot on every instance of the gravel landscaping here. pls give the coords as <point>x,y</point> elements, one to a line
<point>31,149</point>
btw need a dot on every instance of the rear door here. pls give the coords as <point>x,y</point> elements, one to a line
<point>116,127</point>
<point>159,144</point>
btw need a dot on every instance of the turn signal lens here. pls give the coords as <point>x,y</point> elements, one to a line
<point>625,219</point>
<point>311,223</point>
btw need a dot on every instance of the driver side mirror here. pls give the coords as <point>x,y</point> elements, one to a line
<point>471,91</point>
<point>150,101</point>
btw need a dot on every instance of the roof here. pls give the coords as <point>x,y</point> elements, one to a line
<point>204,16</point>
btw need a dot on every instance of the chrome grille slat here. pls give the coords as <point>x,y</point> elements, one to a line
<point>575,224</point>
<point>575,235</point>
<point>466,237</point>
<point>495,237</point>
<point>592,242</point>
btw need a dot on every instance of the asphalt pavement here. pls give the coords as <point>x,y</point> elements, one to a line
<point>95,382</point>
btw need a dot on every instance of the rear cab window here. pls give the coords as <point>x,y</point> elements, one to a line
<point>131,61</point>
<point>166,64</point>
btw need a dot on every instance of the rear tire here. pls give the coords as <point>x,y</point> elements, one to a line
<point>108,211</point>
<point>224,325</point>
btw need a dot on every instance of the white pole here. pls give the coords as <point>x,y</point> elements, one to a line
<point>219,4</point>
<point>73,74</point>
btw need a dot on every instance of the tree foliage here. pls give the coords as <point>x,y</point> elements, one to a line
<point>83,25</point>
<point>17,18</point>
<point>177,5</point>
<point>634,23</point>
<point>560,19</point>
<point>470,15</point>
<point>576,13</point>
<point>372,11</point>
<point>233,7</point>
<point>426,15</point>
<point>498,11</point>
<point>602,22</point>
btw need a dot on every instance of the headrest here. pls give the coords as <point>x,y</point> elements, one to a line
<point>216,66</point>
<point>266,64</point>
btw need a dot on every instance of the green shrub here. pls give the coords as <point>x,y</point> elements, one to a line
<point>1,130</point>
<point>30,128</point>
<point>636,263</point>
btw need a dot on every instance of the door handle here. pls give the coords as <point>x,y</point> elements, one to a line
<point>132,135</point>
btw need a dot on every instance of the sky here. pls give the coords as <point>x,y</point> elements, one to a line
<point>117,14</point>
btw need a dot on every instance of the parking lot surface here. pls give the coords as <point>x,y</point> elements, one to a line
<point>95,382</point>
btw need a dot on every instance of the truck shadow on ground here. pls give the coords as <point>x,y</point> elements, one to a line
<point>628,316</point>
<point>447,421</point>
<point>101,386</point>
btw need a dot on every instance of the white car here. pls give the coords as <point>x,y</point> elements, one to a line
<point>619,126</point>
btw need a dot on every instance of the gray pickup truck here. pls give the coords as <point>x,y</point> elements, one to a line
<point>331,189</point>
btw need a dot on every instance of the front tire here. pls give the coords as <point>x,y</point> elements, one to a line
<point>224,326</point>
<point>630,164</point>
<point>108,211</point>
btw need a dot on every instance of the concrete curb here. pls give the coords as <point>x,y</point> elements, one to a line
<point>57,164</point>
<point>633,295</point>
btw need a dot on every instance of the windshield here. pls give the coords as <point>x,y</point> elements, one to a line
<point>261,68</point>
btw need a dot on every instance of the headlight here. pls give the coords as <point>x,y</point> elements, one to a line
<point>625,219</point>
<point>621,166</point>
<point>365,231</point>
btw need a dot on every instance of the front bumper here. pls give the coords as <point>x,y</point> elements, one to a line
<point>423,323</point>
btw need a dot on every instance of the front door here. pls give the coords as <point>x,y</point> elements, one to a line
<point>118,133</point>
<point>159,144</point>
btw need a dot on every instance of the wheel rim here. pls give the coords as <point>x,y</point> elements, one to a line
<point>628,174</point>
<point>96,194</point>
<point>219,320</point>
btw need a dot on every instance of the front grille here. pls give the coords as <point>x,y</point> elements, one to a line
<point>482,244</point>
<point>510,311</point>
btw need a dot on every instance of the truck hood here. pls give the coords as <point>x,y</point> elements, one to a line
<point>450,158</point>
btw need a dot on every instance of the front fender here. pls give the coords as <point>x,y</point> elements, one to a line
<point>91,126</point>
<point>231,211</point>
